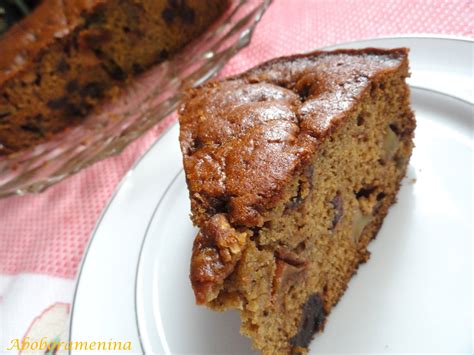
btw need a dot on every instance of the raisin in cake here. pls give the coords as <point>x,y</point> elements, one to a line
<point>66,56</point>
<point>291,169</point>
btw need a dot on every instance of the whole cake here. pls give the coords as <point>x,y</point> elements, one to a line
<point>291,168</point>
<point>65,56</point>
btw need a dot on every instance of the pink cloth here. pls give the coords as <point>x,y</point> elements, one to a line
<point>47,233</point>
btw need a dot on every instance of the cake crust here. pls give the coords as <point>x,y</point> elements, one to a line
<point>231,130</point>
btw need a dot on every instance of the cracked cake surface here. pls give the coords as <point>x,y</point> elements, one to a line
<point>276,162</point>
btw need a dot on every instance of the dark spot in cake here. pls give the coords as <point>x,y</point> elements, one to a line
<point>395,128</point>
<point>57,104</point>
<point>312,320</point>
<point>365,192</point>
<point>382,86</point>
<point>196,144</point>
<point>255,232</point>
<point>294,202</point>
<point>258,245</point>
<point>116,72</point>
<point>407,132</point>
<point>178,8</point>
<point>72,109</point>
<point>93,89</point>
<point>99,54</point>
<point>175,3</point>
<point>373,90</point>
<point>96,18</point>
<point>126,29</point>
<point>72,86</point>
<point>300,247</point>
<point>188,15</point>
<point>255,237</point>
<point>360,119</point>
<point>400,161</point>
<point>304,93</point>
<point>37,82</point>
<point>337,204</point>
<point>218,205</point>
<point>381,196</point>
<point>162,55</point>
<point>305,186</point>
<point>70,47</point>
<point>33,124</point>
<point>267,224</point>
<point>258,208</point>
<point>32,128</point>
<point>137,68</point>
<point>76,110</point>
<point>62,66</point>
<point>168,15</point>
<point>309,85</point>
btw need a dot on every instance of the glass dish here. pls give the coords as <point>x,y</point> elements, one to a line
<point>152,97</point>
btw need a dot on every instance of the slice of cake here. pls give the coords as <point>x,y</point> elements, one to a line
<point>63,59</point>
<point>291,169</point>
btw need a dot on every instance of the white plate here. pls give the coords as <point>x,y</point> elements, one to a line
<point>414,295</point>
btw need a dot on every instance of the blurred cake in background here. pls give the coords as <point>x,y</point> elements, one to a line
<point>61,58</point>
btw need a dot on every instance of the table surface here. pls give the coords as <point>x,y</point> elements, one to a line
<point>43,237</point>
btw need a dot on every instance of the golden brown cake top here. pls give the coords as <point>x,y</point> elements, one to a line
<point>244,138</point>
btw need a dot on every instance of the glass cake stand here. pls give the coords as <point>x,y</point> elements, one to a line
<point>144,103</point>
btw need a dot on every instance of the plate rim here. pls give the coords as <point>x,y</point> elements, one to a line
<point>167,130</point>
<point>421,35</point>
<point>142,244</point>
